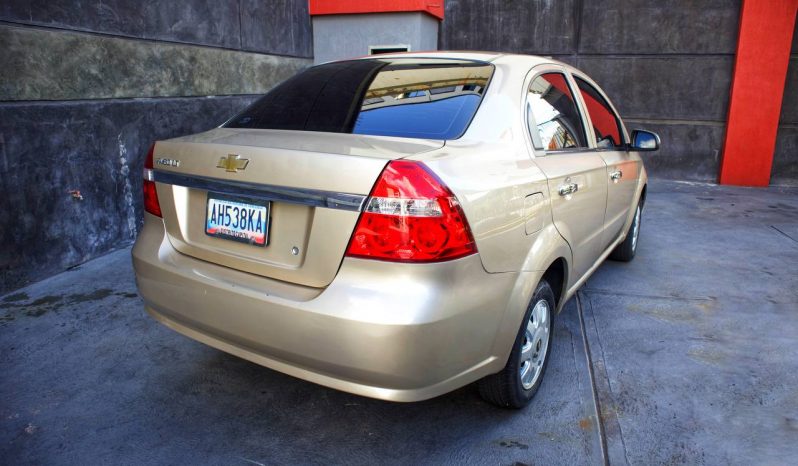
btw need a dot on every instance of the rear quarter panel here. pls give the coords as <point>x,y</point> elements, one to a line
<point>503,192</point>
<point>491,172</point>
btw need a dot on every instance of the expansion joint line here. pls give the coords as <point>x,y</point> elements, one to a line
<point>593,390</point>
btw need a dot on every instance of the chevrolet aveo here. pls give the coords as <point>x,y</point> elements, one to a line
<point>395,226</point>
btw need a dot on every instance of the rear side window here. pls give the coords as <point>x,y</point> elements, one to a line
<point>606,125</point>
<point>552,115</point>
<point>414,98</point>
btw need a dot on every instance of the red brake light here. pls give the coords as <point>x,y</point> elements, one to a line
<point>411,216</point>
<point>151,204</point>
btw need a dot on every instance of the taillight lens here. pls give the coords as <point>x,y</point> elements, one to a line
<point>411,216</point>
<point>151,204</point>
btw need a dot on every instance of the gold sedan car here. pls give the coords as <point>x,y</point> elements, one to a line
<point>395,226</point>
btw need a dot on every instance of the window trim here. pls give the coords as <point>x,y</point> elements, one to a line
<point>624,134</point>
<point>533,74</point>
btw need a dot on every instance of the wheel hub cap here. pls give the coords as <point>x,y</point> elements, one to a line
<point>636,228</point>
<point>535,344</point>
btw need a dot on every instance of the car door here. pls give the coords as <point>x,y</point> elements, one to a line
<point>623,167</point>
<point>577,174</point>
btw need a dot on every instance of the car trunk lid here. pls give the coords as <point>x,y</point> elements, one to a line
<point>314,183</point>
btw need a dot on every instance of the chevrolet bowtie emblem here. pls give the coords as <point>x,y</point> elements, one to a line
<point>232,163</point>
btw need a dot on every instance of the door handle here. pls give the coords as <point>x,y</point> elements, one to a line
<point>616,175</point>
<point>568,188</point>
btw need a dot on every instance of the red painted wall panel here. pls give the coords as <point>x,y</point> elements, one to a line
<point>760,71</point>
<point>341,7</point>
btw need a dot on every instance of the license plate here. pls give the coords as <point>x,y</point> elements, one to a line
<point>238,219</point>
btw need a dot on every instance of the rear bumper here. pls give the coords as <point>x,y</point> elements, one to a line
<point>399,332</point>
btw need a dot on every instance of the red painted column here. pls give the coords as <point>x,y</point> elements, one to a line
<point>760,71</point>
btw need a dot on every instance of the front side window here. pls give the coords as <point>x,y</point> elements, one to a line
<point>552,115</point>
<point>607,127</point>
<point>414,98</point>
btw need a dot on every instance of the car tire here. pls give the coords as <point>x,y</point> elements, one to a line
<point>512,387</point>
<point>625,251</point>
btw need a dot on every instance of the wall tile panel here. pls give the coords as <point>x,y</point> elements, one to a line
<point>97,148</point>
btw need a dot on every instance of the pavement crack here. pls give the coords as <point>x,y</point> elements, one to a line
<point>644,295</point>
<point>785,234</point>
<point>587,401</point>
<point>594,392</point>
<point>609,426</point>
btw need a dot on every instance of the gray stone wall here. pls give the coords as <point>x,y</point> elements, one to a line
<point>666,64</point>
<point>785,161</point>
<point>87,86</point>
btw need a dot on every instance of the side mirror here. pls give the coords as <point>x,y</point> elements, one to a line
<point>644,141</point>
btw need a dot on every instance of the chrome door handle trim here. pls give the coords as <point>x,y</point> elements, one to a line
<point>568,188</point>
<point>616,175</point>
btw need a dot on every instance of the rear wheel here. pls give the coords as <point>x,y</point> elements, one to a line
<point>517,383</point>
<point>625,251</point>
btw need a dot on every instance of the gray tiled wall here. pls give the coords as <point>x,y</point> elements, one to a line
<point>666,64</point>
<point>87,86</point>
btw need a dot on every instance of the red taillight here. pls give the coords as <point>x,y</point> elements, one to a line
<point>411,216</point>
<point>151,204</point>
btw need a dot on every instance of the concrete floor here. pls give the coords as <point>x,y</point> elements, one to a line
<point>689,353</point>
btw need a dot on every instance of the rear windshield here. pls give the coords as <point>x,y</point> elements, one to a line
<point>413,98</point>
